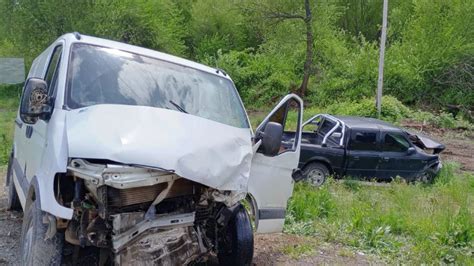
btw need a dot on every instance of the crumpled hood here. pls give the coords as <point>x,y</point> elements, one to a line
<point>425,142</point>
<point>208,152</point>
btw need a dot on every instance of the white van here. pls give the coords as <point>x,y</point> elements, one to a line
<point>124,155</point>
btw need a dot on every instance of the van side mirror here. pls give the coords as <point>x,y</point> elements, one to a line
<point>35,102</point>
<point>411,151</point>
<point>336,135</point>
<point>271,138</point>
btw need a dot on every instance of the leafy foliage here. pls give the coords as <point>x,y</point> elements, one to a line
<point>429,54</point>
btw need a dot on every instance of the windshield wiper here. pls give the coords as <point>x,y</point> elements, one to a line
<point>181,109</point>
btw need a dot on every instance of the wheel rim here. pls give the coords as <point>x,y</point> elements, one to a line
<point>28,243</point>
<point>316,177</point>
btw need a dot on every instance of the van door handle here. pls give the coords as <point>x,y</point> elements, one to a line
<point>356,158</point>
<point>29,131</point>
<point>385,159</point>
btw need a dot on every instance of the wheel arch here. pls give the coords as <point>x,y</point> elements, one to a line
<point>33,193</point>
<point>253,208</point>
<point>321,160</point>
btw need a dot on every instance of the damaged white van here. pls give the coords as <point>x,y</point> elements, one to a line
<point>124,155</point>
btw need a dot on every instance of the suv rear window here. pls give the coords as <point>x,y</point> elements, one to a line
<point>326,126</point>
<point>363,141</point>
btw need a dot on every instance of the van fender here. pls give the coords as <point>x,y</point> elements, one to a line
<point>32,193</point>
<point>54,161</point>
<point>252,209</point>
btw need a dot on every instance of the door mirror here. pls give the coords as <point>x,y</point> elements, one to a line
<point>336,135</point>
<point>271,138</point>
<point>35,102</point>
<point>411,151</point>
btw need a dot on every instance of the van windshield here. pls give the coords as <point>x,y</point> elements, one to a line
<point>99,75</point>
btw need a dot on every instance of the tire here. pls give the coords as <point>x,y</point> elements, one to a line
<point>316,174</point>
<point>13,202</point>
<point>35,249</point>
<point>237,245</point>
<point>427,177</point>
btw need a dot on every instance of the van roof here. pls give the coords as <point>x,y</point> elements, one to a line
<point>79,38</point>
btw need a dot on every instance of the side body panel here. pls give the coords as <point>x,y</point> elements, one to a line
<point>41,148</point>
<point>400,163</point>
<point>362,163</point>
<point>24,146</point>
<point>332,156</point>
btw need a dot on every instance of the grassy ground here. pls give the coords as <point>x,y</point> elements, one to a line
<point>9,98</point>
<point>398,222</point>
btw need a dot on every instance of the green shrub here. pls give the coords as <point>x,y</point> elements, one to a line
<point>392,109</point>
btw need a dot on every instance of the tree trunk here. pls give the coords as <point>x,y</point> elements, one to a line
<point>308,65</point>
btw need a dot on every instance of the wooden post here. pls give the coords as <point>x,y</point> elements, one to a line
<point>383,39</point>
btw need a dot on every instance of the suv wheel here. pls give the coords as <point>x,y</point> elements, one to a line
<point>236,246</point>
<point>13,202</point>
<point>316,174</point>
<point>427,177</point>
<point>35,249</point>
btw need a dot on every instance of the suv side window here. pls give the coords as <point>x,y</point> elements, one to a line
<point>52,73</point>
<point>363,141</point>
<point>395,142</point>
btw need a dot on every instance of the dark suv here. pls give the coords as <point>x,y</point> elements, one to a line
<point>365,148</point>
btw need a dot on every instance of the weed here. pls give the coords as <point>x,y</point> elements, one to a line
<point>298,250</point>
<point>399,222</point>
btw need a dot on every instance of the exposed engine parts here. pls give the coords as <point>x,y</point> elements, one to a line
<point>143,216</point>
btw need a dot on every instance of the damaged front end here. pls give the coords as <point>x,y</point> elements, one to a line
<point>425,143</point>
<point>143,216</point>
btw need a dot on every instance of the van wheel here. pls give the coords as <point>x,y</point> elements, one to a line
<point>13,202</point>
<point>316,174</point>
<point>35,249</point>
<point>236,246</point>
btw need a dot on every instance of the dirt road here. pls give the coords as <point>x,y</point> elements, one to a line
<point>10,229</point>
<point>459,143</point>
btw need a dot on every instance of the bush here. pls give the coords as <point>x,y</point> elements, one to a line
<point>392,109</point>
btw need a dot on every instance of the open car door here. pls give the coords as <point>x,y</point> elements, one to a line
<point>271,174</point>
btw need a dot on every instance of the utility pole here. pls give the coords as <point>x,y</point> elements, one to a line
<point>383,39</point>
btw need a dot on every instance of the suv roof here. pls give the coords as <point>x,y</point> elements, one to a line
<point>366,123</point>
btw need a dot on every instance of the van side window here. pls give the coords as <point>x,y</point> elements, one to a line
<point>51,73</point>
<point>290,129</point>
<point>395,142</point>
<point>363,141</point>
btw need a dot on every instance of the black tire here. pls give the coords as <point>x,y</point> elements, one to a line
<point>13,202</point>
<point>427,177</point>
<point>35,249</point>
<point>316,174</point>
<point>237,245</point>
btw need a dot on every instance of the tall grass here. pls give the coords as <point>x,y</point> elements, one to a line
<point>400,222</point>
<point>9,98</point>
